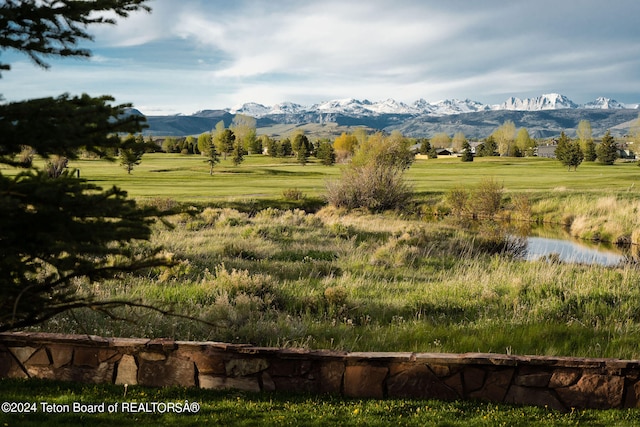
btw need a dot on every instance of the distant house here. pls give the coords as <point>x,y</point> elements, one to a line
<point>474,146</point>
<point>547,151</point>
<point>415,148</point>
<point>444,152</point>
<point>624,152</point>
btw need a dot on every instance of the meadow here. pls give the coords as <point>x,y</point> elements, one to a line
<point>258,268</point>
<point>261,259</point>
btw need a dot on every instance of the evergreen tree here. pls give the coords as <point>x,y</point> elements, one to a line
<point>238,153</point>
<point>303,154</point>
<point>54,231</point>
<point>284,148</point>
<point>569,152</point>
<point>488,148</point>
<point>590,154</point>
<point>326,154</point>
<point>131,152</point>
<point>298,140</point>
<point>607,150</point>
<point>467,154</point>
<point>425,146</point>
<point>212,158</point>
<point>272,148</point>
<point>190,145</point>
<point>254,144</point>
<point>265,144</point>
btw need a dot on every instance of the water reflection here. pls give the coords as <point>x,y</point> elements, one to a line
<point>571,251</point>
<point>531,243</point>
<point>555,242</point>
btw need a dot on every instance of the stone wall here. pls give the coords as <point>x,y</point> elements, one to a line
<point>557,382</point>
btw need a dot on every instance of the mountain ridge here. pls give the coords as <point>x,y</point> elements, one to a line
<point>550,101</point>
<point>544,116</point>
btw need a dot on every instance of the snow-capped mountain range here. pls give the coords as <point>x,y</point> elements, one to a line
<point>354,107</point>
<point>544,116</point>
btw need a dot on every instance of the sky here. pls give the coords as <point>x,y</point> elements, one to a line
<point>191,55</point>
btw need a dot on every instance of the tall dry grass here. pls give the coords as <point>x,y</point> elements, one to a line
<point>362,282</point>
<point>605,218</point>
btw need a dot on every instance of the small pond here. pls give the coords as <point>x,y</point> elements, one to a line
<point>572,251</point>
<point>547,241</point>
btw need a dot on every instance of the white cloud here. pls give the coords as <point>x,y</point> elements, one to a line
<point>321,38</point>
<point>196,54</point>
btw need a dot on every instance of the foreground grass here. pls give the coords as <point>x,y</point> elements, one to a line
<point>231,408</point>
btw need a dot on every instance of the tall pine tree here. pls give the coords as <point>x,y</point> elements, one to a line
<point>607,150</point>
<point>55,231</point>
<point>569,152</point>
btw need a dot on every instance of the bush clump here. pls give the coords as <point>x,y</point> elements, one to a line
<point>375,178</point>
<point>374,187</point>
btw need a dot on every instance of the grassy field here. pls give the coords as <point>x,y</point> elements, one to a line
<point>186,177</point>
<point>257,273</point>
<point>361,282</point>
<point>596,202</point>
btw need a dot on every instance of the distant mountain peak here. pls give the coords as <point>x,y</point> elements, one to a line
<point>545,116</point>
<point>363,108</point>
<point>547,101</point>
<point>603,104</point>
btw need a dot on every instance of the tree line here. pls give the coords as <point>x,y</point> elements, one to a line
<point>506,141</point>
<point>241,139</point>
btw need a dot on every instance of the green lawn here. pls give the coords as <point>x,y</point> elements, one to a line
<point>231,408</point>
<point>529,174</point>
<point>186,178</point>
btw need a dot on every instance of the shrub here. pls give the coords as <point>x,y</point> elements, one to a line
<point>487,198</point>
<point>232,218</point>
<point>240,250</point>
<point>374,180</point>
<point>162,204</point>
<point>210,215</point>
<point>56,166</point>
<point>25,158</point>
<point>292,194</point>
<point>396,253</point>
<point>522,206</point>
<point>336,295</point>
<point>457,199</point>
<point>237,282</point>
<point>375,187</point>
